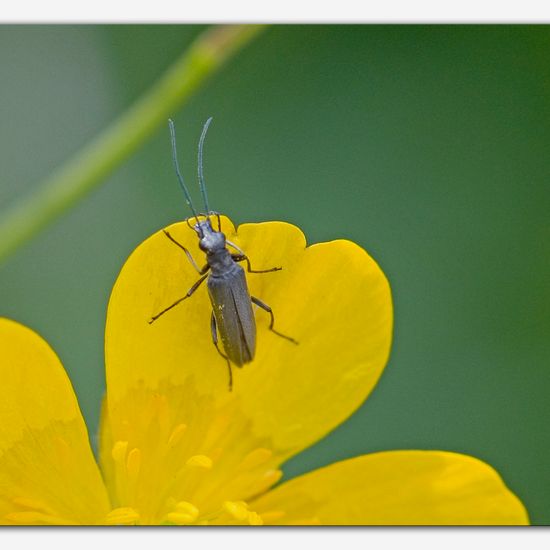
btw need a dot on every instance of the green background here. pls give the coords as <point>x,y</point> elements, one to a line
<point>427,145</point>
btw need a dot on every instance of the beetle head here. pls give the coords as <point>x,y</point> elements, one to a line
<point>209,239</point>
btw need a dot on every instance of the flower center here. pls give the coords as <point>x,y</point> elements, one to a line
<point>30,511</point>
<point>230,513</point>
<point>191,462</point>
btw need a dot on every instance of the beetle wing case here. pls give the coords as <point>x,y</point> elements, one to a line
<point>233,313</point>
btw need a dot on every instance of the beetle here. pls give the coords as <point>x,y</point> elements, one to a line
<point>232,317</point>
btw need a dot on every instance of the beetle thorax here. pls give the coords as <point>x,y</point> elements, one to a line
<point>220,261</point>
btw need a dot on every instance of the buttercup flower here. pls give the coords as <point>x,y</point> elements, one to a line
<point>176,447</point>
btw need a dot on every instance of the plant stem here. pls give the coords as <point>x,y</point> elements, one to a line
<point>89,167</point>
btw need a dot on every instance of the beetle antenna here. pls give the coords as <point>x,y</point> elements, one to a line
<point>178,173</point>
<point>201,177</point>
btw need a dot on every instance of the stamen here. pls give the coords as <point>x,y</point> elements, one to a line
<point>200,461</point>
<point>238,510</point>
<point>269,479</point>
<point>176,435</point>
<point>122,516</point>
<point>119,451</point>
<point>272,516</point>
<point>254,519</point>
<point>185,514</point>
<point>255,458</point>
<point>187,508</point>
<point>133,463</point>
<point>161,409</point>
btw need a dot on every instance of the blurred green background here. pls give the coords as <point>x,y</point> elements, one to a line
<point>427,145</point>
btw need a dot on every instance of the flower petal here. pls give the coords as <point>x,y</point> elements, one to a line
<point>178,345</point>
<point>47,471</point>
<point>331,297</point>
<point>335,300</point>
<point>396,488</point>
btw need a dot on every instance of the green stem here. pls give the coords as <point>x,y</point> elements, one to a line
<point>88,168</point>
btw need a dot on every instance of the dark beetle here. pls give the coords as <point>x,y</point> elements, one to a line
<point>232,316</point>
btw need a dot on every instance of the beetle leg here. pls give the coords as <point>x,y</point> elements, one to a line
<point>241,256</point>
<point>233,245</point>
<point>265,307</point>
<point>188,254</point>
<point>217,214</point>
<point>214,329</point>
<point>244,257</point>
<point>189,293</point>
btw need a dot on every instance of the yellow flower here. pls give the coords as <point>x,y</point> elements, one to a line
<point>176,447</point>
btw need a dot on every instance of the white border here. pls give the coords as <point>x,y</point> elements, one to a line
<point>281,11</point>
<point>351,538</point>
